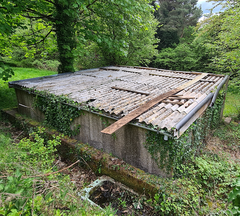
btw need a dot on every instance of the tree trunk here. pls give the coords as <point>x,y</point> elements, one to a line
<point>65,32</point>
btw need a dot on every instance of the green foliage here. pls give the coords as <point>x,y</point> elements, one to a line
<point>126,37</point>
<point>123,30</point>
<point>211,172</point>
<point>232,105</point>
<point>26,189</point>
<point>174,17</point>
<point>182,198</point>
<point>59,112</point>
<point>234,197</point>
<point>5,72</point>
<point>180,58</point>
<point>8,96</point>
<point>24,46</point>
<point>229,132</point>
<point>170,153</point>
<point>191,54</point>
<point>11,189</point>
<point>220,35</point>
<point>214,47</point>
<point>200,187</point>
<point>89,56</point>
<point>36,148</point>
<point>46,64</point>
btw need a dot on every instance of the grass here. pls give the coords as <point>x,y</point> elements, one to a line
<point>232,105</point>
<point>5,146</point>
<point>37,194</point>
<point>7,96</point>
<point>229,133</point>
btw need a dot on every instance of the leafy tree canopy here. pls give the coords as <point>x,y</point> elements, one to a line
<point>120,27</point>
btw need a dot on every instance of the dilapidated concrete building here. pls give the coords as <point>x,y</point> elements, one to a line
<point>105,95</point>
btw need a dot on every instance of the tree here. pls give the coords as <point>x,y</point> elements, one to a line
<point>174,16</point>
<point>75,20</point>
<point>124,40</point>
<point>221,32</point>
<point>214,48</point>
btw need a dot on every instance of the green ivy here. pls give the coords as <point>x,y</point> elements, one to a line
<point>169,154</point>
<point>59,112</point>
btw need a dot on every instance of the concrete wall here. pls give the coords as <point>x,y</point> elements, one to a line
<point>127,143</point>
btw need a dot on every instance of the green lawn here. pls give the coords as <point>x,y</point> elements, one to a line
<point>7,96</point>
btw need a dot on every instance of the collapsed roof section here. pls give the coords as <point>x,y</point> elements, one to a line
<point>120,90</point>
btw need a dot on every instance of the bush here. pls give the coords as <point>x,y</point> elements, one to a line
<point>51,65</point>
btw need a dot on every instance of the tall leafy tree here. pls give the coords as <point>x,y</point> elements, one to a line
<point>174,16</point>
<point>76,20</point>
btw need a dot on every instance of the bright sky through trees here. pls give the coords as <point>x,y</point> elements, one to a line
<point>206,6</point>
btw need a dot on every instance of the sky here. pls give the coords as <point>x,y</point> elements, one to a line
<point>208,5</point>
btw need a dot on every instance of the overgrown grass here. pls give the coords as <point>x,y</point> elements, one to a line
<point>27,187</point>
<point>7,96</point>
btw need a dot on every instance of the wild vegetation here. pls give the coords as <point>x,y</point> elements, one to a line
<point>50,36</point>
<point>201,186</point>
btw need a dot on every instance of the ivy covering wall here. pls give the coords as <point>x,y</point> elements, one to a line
<point>170,153</point>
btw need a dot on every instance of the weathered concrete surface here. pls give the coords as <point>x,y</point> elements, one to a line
<point>127,143</point>
<point>73,150</point>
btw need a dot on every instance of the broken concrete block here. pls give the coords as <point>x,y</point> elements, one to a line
<point>227,120</point>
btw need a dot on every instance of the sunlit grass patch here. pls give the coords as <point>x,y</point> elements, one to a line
<point>7,96</point>
<point>232,105</point>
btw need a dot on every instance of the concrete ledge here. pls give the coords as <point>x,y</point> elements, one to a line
<point>100,162</point>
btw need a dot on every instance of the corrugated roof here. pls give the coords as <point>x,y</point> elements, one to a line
<point>120,90</point>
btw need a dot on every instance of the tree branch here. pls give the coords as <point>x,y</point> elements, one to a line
<point>3,8</point>
<point>42,16</point>
<point>33,17</point>
<point>89,6</point>
<point>43,38</point>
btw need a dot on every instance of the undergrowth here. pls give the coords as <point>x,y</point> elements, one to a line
<point>229,133</point>
<point>199,187</point>
<point>28,183</point>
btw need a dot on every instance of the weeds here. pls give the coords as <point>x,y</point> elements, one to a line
<point>229,133</point>
<point>28,184</point>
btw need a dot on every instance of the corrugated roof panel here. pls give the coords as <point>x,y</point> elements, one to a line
<point>131,88</point>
